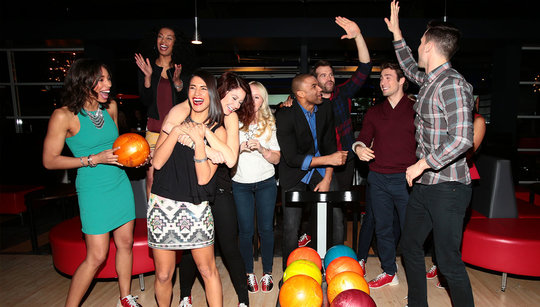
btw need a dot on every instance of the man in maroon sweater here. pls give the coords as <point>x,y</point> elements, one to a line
<point>387,142</point>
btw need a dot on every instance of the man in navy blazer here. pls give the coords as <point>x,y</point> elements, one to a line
<point>307,139</point>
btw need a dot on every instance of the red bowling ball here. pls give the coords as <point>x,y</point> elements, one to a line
<point>353,298</point>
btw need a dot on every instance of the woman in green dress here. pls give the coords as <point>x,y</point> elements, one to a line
<point>87,122</point>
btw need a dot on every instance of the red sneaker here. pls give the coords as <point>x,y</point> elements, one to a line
<point>267,283</point>
<point>304,240</point>
<point>128,301</point>
<point>253,287</point>
<point>432,273</point>
<point>384,280</point>
<point>440,286</point>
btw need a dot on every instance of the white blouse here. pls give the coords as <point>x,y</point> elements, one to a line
<point>252,166</point>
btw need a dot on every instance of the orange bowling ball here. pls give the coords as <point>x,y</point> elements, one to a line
<point>133,151</point>
<point>345,281</point>
<point>300,290</point>
<point>342,264</point>
<point>306,253</point>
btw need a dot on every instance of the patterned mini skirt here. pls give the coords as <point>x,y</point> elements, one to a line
<point>177,225</point>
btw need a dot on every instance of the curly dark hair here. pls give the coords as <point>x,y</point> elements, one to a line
<point>182,52</point>
<point>229,81</point>
<point>81,78</point>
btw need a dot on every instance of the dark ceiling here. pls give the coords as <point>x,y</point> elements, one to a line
<point>166,9</point>
<point>263,32</point>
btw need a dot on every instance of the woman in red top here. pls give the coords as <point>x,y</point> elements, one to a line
<point>160,86</point>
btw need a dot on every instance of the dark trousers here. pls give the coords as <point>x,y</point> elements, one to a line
<point>441,208</point>
<point>292,217</point>
<point>368,229</point>
<point>226,230</point>
<point>344,174</point>
<point>389,194</point>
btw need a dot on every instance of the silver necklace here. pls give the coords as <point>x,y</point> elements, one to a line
<point>96,118</point>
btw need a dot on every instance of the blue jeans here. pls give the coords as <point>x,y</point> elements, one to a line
<point>388,192</point>
<point>248,197</point>
<point>441,208</point>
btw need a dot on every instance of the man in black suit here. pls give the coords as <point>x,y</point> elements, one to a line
<point>307,139</point>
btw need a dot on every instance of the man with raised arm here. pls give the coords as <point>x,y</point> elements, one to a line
<point>442,184</point>
<point>340,97</point>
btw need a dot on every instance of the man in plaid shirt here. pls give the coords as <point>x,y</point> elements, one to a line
<point>444,132</point>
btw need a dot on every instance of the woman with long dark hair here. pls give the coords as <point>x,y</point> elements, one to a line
<point>237,104</point>
<point>87,122</point>
<point>179,216</point>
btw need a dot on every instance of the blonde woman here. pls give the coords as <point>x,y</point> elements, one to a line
<point>254,183</point>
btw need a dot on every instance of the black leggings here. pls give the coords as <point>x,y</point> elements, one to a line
<point>226,232</point>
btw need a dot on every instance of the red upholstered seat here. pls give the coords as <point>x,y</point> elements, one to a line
<point>527,210</point>
<point>524,193</point>
<point>12,198</point>
<point>503,245</point>
<point>69,249</point>
<point>473,214</point>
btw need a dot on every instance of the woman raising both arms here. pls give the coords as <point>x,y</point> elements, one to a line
<point>160,86</point>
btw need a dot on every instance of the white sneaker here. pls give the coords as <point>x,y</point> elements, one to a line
<point>128,301</point>
<point>186,302</point>
<point>363,266</point>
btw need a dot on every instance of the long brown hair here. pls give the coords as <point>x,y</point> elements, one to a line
<point>215,111</point>
<point>229,81</point>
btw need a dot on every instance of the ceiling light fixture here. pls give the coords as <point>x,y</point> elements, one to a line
<point>196,37</point>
